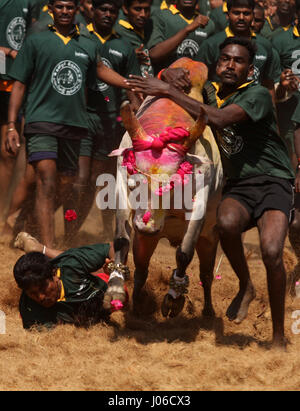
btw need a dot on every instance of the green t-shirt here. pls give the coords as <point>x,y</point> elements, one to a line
<point>265,66</point>
<point>118,54</point>
<point>271,29</point>
<point>253,147</point>
<point>78,286</point>
<point>56,70</point>
<point>167,23</point>
<point>287,43</point>
<point>136,38</point>
<point>15,18</point>
<point>219,17</point>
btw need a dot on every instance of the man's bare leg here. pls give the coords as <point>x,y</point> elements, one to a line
<point>46,185</point>
<point>23,191</point>
<point>232,221</point>
<point>273,228</point>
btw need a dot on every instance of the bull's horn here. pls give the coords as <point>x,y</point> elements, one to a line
<point>131,123</point>
<point>197,129</point>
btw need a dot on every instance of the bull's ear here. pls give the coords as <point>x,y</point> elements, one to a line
<point>131,123</point>
<point>197,129</point>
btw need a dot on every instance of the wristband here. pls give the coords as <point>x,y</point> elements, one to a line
<point>160,73</point>
<point>11,129</point>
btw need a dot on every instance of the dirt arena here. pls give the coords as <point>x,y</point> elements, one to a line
<point>151,353</point>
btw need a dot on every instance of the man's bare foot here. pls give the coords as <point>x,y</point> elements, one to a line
<point>26,242</point>
<point>238,309</point>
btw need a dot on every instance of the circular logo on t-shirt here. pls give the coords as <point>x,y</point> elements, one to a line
<point>101,86</point>
<point>66,78</point>
<point>188,48</point>
<point>230,142</point>
<point>15,32</point>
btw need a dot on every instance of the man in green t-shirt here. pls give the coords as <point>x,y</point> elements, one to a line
<point>136,26</point>
<point>281,21</point>
<point>259,176</point>
<point>51,70</point>
<point>178,32</point>
<point>62,286</point>
<point>240,17</point>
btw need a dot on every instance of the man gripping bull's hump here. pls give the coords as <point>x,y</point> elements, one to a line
<point>259,177</point>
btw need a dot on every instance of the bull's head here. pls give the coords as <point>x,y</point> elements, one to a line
<point>160,141</point>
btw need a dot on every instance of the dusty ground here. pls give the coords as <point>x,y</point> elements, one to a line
<point>151,353</point>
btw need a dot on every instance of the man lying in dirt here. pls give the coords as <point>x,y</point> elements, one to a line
<point>62,286</point>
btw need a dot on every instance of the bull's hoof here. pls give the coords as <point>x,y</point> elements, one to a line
<point>172,306</point>
<point>115,294</point>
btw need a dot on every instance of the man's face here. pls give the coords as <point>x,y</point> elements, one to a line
<point>63,12</point>
<point>233,66</point>
<point>240,19</point>
<point>105,16</point>
<point>86,8</point>
<point>138,13</point>
<point>46,295</point>
<point>186,4</point>
<point>285,6</point>
<point>258,20</point>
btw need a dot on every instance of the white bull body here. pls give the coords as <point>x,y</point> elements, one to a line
<point>187,232</point>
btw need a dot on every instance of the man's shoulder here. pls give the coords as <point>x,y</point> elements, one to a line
<point>282,38</point>
<point>216,38</point>
<point>256,93</point>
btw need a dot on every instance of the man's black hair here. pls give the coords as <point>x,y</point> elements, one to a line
<point>128,3</point>
<point>98,3</point>
<point>33,269</point>
<point>241,41</point>
<point>74,1</point>
<point>240,3</point>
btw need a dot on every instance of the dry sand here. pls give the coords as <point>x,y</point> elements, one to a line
<point>150,352</point>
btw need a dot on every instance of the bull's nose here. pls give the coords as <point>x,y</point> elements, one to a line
<point>146,231</point>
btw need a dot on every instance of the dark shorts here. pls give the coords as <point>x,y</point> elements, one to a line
<point>104,136</point>
<point>44,147</point>
<point>4,99</point>
<point>262,193</point>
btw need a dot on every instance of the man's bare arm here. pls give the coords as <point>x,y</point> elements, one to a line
<point>110,76</point>
<point>216,117</point>
<point>162,50</point>
<point>12,142</point>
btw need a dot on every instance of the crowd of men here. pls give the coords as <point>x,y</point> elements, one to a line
<point>65,66</point>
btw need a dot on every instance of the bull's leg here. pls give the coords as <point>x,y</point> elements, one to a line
<point>206,249</point>
<point>118,270</point>
<point>143,249</point>
<point>173,302</point>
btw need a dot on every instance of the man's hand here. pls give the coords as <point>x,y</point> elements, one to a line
<point>178,77</point>
<point>289,81</point>
<point>142,56</point>
<point>150,86</point>
<point>12,142</point>
<point>200,21</point>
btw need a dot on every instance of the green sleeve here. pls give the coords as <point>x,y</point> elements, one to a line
<point>248,101</point>
<point>23,66</point>
<point>83,259</point>
<point>159,32</point>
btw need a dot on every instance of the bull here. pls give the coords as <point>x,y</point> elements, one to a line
<point>163,139</point>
